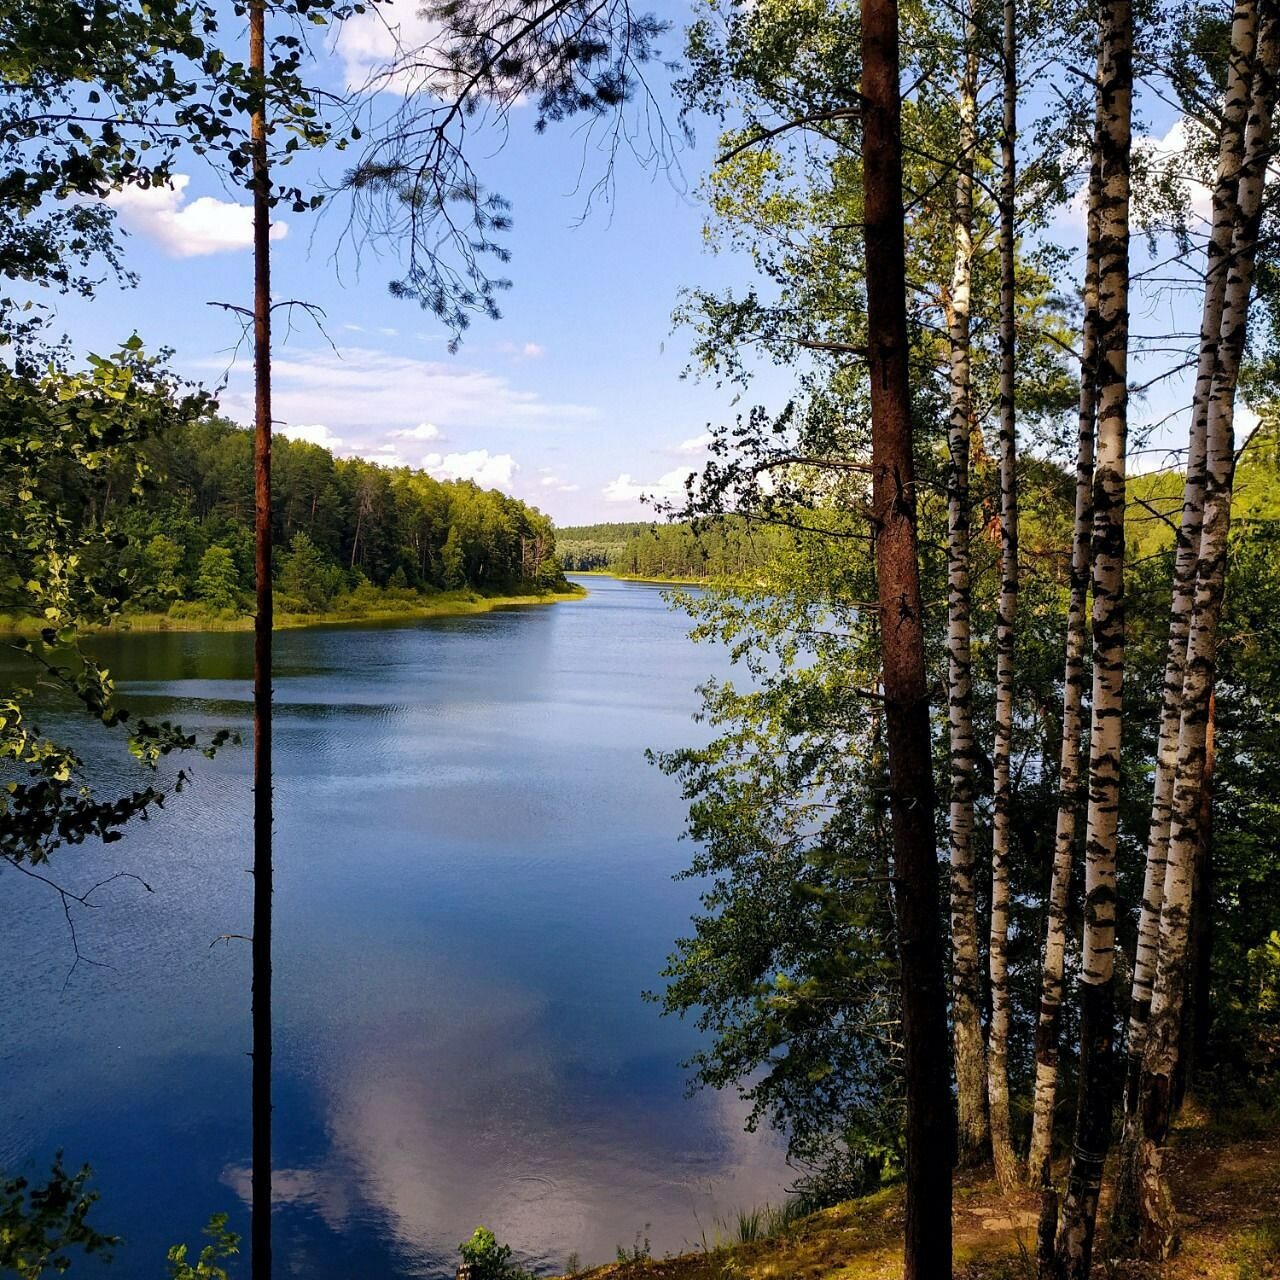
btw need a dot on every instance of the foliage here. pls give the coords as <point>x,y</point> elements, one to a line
<point>339,522</point>
<point>42,1227</point>
<point>216,579</point>
<point>639,1251</point>
<point>66,438</point>
<point>223,1244</point>
<point>787,967</point>
<point>679,551</point>
<point>489,1260</point>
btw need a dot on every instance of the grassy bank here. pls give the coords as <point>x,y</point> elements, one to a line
<point>1226,1185</point>
<point>445,604</point>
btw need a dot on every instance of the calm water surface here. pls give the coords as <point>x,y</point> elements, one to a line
<point>473,876</point>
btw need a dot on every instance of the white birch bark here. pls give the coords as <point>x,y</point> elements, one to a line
<point>1006,1163</point>
<point>973,1132</point>
<point>1093,1119</point>
<point>1075,676</point>
<point>1164,1027</point>
<point>1244,31</point>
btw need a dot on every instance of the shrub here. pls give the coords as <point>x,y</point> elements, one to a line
<point>489,1260</point>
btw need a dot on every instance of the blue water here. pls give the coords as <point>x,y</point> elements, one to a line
<point>473,888</point>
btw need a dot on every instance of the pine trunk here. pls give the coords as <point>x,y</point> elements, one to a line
<point>260,1218</point>
<point>1075,676</point>
<point>1155,1101</point>
<point>930,1131</point>
<point>1097,997</point>
<point>1244,32</point>
<point>966,981</point>
<point>1006,1163</point>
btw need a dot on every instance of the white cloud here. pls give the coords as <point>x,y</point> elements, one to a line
<point>669,486</point>
<point>527,350</point>
<point>367,395</point>
<point>694,446</point>
<point>423,431</point>
<point>187,229</point>
<point>315,433</point>
<point>547,479</point>
<point>370,46</point>
<point>390,49</point>
<point>489,470</point>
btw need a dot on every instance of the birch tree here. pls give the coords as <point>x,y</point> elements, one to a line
<point>1154,1105</point>
<point>1244,28</point>
<point>974,1135</point>
<point>1074,679</point>
<point>1006,1164</point>
<point>1093,1117</point>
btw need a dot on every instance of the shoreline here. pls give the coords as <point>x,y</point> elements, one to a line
<point>448,604</point>
<point>636,577</point>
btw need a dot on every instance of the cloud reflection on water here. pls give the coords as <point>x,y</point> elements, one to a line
<point>481,1119</point>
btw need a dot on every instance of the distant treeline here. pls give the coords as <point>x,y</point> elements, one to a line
<point>728,547</point>
<point>341,526</point>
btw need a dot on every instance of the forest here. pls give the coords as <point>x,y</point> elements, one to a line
<point>673,551</point>
<point>983,819</point>
<point>337,525</point>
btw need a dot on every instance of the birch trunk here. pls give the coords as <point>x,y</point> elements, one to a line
<point>1075,675</point>
<point>1155,1233</point>
<point>971,1082</point>
<point>930,1129</point>
<point>1093,1116</point>
<point>1244,33</point>
<point>1006,1163</point>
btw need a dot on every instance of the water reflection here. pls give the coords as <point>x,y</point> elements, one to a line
<point>473,888</point>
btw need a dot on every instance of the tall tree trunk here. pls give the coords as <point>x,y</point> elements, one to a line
<point>1155,1101</point>
<point>1199,1013</point>
<point>1244,33</point>
<point>1097,996</point>
<point>1006,1163</point>
<point>930,1130</point>
<point>966,978</point>
<point>260,1226</point>
<point>1075,676</point>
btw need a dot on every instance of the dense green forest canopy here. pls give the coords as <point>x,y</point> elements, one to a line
<point>342,526</point>
<point>674,551</point>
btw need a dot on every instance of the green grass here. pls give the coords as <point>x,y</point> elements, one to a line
<point>447,604</point>
<point>1257,1251</point>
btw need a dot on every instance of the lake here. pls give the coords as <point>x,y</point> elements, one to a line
<point>473,888</point>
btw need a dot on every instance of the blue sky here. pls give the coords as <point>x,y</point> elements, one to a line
<point>574,400</point>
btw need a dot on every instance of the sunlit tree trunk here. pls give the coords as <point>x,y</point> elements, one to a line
<point>1244,30</point>
<point>1155,1102</point>
<point>1097,996</point>
<point>930,1135</point>
<point>260,1221</point>
<point>966,977</point>
<point>1074,680</point>
<point>1006,1164</point>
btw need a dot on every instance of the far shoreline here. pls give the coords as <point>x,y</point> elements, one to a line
<point>636,577</point>
<point>448,604</point>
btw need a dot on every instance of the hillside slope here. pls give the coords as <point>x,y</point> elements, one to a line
<point>1226,1187</point>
